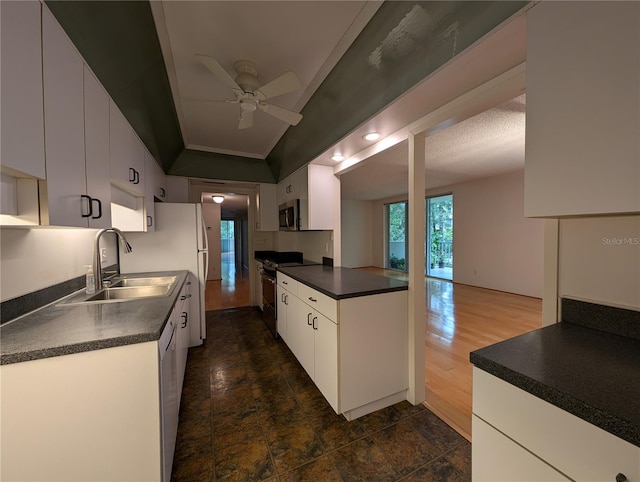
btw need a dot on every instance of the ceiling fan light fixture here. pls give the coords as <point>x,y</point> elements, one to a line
<point>218,199</point>
<point>371,136</point>
<point>337,157</point>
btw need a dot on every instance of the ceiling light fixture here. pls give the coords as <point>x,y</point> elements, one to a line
<point>337,157</point>
<point>371,136</point>
<point>218,199</point>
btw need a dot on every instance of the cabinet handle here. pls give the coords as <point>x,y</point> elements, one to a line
<point>99,208</point>
<point>89,205</point>
<point>286,299</point>
<point>137,181</point>
<point>149,221</point>
<point>313,299</point>
<point>188,283</point>
<point>163,193</point>
<point>315,318</point>
<point>309,319</point>
<point>184,315</point>
<point>183,297</point>
<point>132,175</point>
<point>621,478</point>
<point>284,283</point>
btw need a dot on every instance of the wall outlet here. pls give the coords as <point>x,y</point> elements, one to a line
<point>103,254</point>
<point>261,240</point>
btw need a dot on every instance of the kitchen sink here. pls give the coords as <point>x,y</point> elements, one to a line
<point>144,282</point>
<point>126,289</point>
<point>112,294</point>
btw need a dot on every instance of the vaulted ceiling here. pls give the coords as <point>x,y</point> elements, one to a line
<point>353,58</point>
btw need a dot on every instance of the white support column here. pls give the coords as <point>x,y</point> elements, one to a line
<point>416,268</point>
<point>550,273</point>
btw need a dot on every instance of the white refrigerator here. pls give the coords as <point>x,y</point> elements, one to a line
<point>179,242</point>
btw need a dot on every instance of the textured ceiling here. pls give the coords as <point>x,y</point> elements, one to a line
<point>484,145</point>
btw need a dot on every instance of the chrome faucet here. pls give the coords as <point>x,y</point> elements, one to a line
<point>97,265</point>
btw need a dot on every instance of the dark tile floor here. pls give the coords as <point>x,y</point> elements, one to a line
<point>249,412</point>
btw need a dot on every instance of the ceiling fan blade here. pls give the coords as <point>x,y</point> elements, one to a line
<point>200,99</point>
<point>287,82</point>
<point>246,119</point>
<point>218,71</point>
<point>283,114</point>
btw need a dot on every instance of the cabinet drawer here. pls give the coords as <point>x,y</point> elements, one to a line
<point>318,301</point>
<point>288,283</point>
<point>496,458</point>
<point>576,448</point>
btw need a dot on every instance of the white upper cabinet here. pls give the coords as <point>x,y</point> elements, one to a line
<point>96,134</point>
<point>63,196</point>
<point>266,208</point>
<point>22,137</point>
<point>126,153</point>
<point>318,190</point>
<point>156,187</point>
<point>583,116</point>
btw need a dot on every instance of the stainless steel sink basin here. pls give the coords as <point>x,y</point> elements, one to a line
<point>126,289</point>
<point>149,281</point>
<point>130,293</point>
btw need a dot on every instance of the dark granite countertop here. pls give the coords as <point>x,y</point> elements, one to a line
<point>590,373</point>
<point>59,329</point>
<point>341,283</point>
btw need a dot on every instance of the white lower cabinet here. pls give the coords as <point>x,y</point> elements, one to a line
<point>109,414</point>
<point>499,459</point>
<point>520,437</point>
<point>355,350</point>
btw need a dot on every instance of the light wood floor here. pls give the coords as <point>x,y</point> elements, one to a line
<point>459,319</point>
<point>232,291</point>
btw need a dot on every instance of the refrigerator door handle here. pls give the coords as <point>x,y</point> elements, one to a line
<point>206,265</point>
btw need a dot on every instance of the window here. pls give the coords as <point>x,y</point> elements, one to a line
<point>397,236</point>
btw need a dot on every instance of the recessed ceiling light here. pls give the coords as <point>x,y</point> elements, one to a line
<point>371,136</point>
<point>337,157</point>
<point>218,199</point>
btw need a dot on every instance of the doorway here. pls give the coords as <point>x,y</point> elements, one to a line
<point>230,289</point>
<point>439,255</point>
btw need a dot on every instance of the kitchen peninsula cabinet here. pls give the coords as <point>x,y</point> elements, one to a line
<point>350,333</point>
<point>512,442</point>
<point>21,107</point>
<point>583,119</point>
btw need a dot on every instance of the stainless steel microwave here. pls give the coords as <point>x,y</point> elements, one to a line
<point>289,220</point>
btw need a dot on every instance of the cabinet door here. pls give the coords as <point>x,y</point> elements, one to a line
<point>21,107</point>
<point>126,154</point>
<point>96,135</point>
<point>306,338</point>
<point>282,312</point>
<point>582,124</point>
<point>155,183</point>
<point>267,208</point>
<point>62,202</point>
<point>326,358</point>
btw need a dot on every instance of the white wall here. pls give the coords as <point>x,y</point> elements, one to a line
<point>36,258</point>
<point>211,215</point>
<point>312,244</point>
<point>494,245</point>
<point>599,260</point>
<point>357,229</point>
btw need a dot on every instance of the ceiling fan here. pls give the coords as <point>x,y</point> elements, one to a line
<point>250,95</point>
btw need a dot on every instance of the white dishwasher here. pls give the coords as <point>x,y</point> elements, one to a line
<point>169,396</point>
